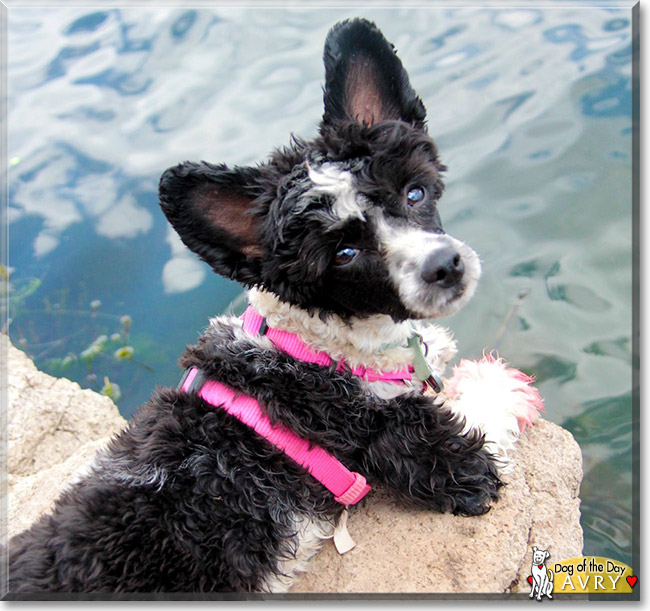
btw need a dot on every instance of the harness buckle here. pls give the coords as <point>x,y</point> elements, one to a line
<point>435,383</point>
<point>197,382</point>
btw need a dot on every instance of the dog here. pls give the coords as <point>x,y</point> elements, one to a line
<point>542,582</point>
<point>329,384</point>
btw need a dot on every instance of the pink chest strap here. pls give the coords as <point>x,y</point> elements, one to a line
<point>347,486</point>
<point>295,347</point>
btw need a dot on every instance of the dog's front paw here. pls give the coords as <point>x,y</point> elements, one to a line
<point>498,400</point>
<point>477,494</point>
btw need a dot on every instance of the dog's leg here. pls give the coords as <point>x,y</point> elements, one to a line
<point>549,585</point>
<point>541,586</point>
<point>414,446</point>
<point>423,454</point>
<point>497,400</point>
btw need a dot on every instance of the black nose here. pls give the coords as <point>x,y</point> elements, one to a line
<point>443,267</point>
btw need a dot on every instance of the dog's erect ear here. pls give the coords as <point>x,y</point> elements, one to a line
<point>546,555</point>
<point>211,208</point>
<point>364,79</point>
<point>534,549</point>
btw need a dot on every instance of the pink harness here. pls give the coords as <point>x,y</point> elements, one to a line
<point>347,486</point>
<point>290,343</point>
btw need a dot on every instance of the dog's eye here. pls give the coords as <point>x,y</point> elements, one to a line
<point>345,256</point>
<point>415,195</point>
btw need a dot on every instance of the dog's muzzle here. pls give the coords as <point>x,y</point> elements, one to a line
<point>443,267</point>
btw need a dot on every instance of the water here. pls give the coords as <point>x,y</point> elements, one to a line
<point>532,112</point>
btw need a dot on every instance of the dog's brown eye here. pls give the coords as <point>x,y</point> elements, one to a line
<point>415,195</point>
<point>345,256</point>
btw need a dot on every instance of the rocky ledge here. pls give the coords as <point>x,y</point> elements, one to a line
<point>54,429</point>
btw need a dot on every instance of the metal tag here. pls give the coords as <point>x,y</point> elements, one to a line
<point>435,383</point>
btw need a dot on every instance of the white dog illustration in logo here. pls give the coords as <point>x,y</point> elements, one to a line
<point>542,578</point>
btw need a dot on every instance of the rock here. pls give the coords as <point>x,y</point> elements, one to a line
<point>49,418</point>
<point>34,494</point>
<point>55,428</point>
<point>417,551</point>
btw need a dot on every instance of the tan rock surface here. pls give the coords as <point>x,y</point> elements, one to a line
<point>35,494</point>
<point>409,551</point>
<point>49,418</point>
<point>55,428</point>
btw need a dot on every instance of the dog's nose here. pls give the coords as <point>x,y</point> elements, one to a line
<point>443,267</point>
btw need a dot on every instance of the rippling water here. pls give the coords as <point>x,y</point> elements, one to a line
<point>531,110</point>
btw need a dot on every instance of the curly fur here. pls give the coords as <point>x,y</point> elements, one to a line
<point>227,511</point>
<point>189,499</point>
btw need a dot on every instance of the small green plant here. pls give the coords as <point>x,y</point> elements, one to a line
<point>115,347</point>
<point>105,354</point>
<point>111,390</point>
<point>13,294</point>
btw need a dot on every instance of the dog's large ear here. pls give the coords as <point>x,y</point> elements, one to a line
<point>364,79</point>
<point>212,209</point>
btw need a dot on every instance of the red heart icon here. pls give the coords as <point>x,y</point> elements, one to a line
<point>631,579</point>
<point>539,566</point>
<point>530,579</point>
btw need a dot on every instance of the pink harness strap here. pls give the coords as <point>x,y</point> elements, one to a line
<point>295,347</point>
<point>347,486</point>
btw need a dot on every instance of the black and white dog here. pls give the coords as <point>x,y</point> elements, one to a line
<point>230,482</point>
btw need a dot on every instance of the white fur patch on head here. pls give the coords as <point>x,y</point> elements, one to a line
<point>330,179</point>
<point>406,249</point>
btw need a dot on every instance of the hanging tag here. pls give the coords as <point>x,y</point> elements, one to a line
<point>342,539</point>
<point>423,369</point>
<point>435,383</point>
